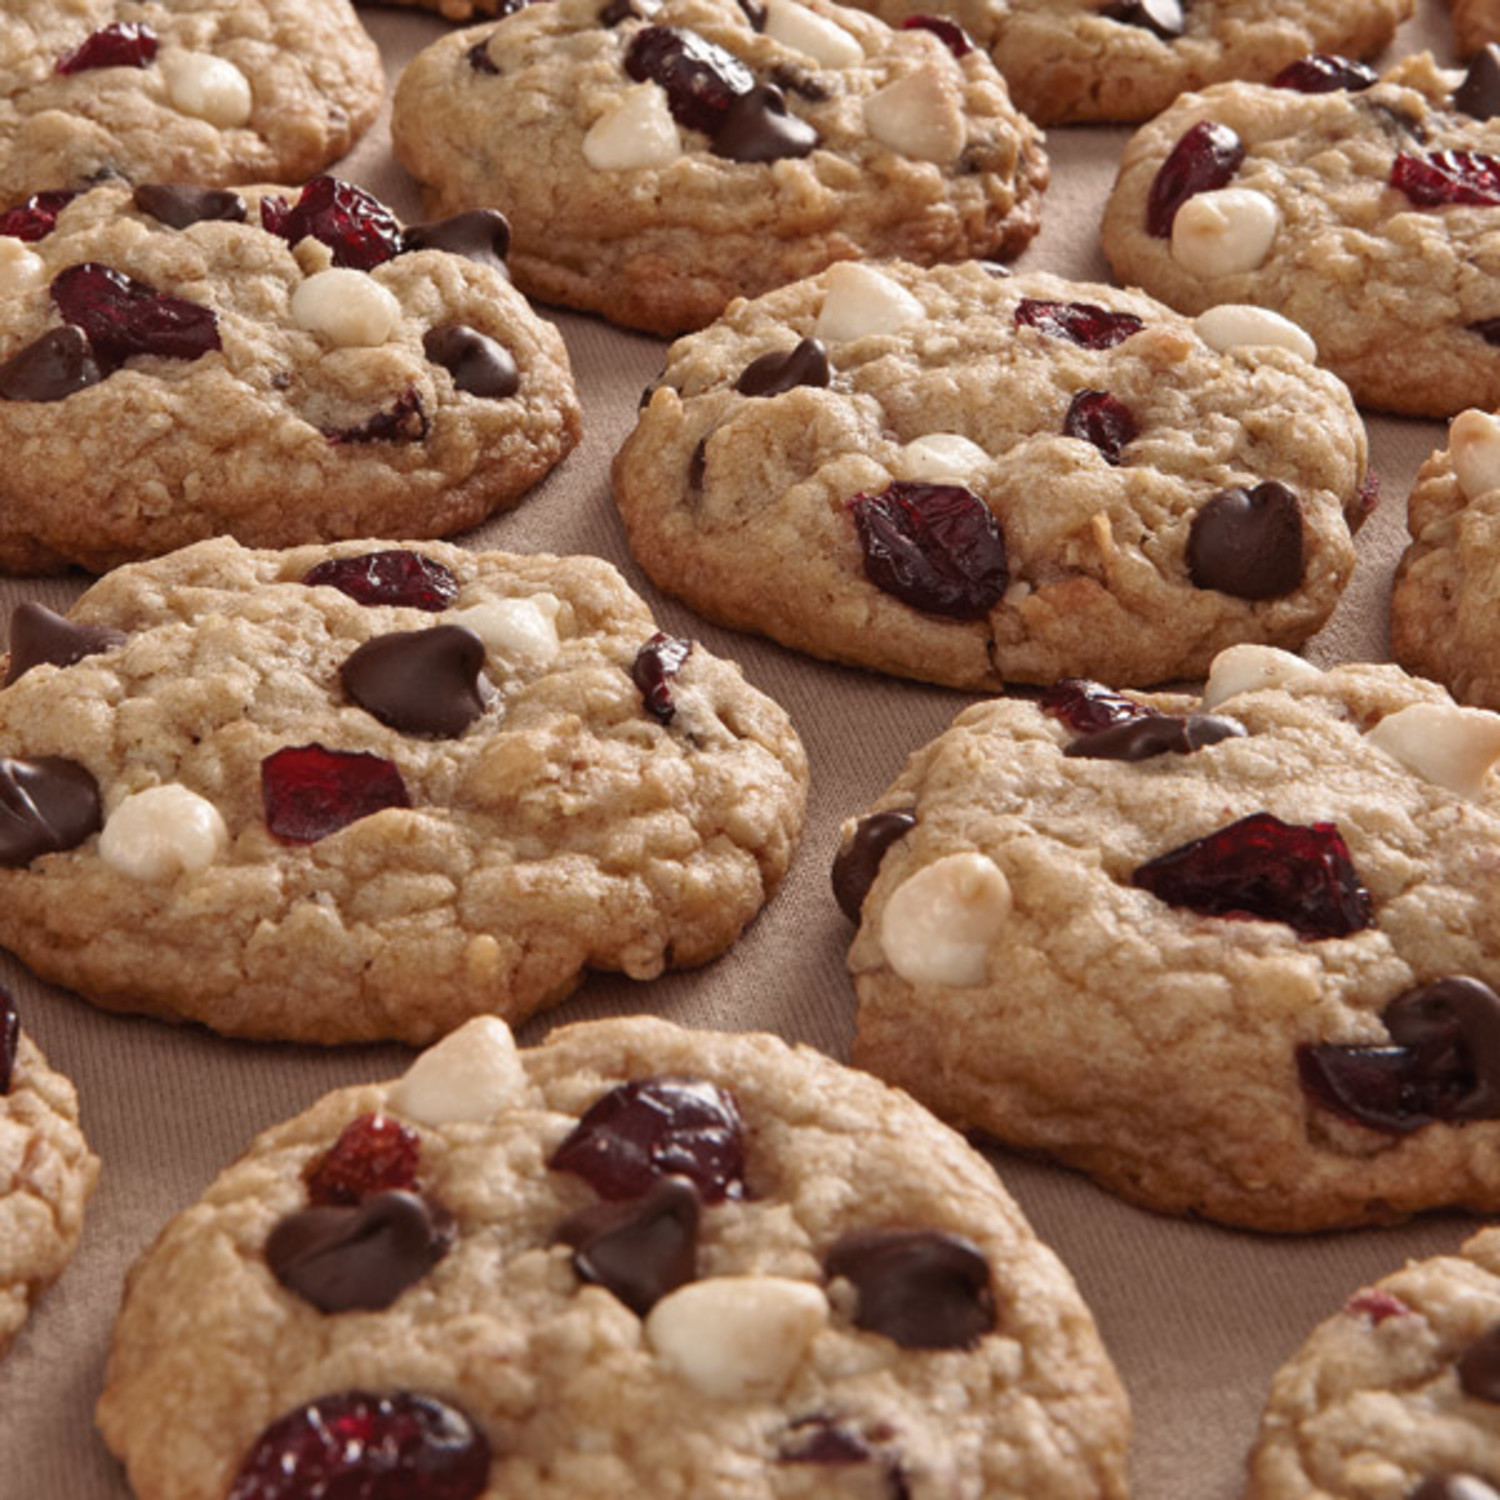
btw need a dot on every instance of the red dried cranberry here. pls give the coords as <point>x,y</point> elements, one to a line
<point>1447,177</point>
<point>1365,502</point>
<point>701,79</point>
<point>1101,419</point>
<point>655,665</point>
<point>1261,867</point>
<point>1204,159</point>
<point>936,547</point>
<point>124,44</point>
<point>309,792</point>
<point>1323,73</point>
<point>359,229</point>
<point>403,421</point>
<point>651,1128</point>
<point>1087,707</point>
<point>10,1040</point>
<point>947,31</point>
<point>395,576</point>
<point>1372,1303</point>
<point>122,317</point>
<point>373,1154</point>
<point>36,218</point>
<point>356,1445</point>
<point>1079,322</point>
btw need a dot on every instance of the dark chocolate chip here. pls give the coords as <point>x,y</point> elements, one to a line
<point>419,681</point>
<point>1488,329</point>
<point>1248,542</point>
<point>1157,734</point>
<point>1162,18</point>
<point>822,1440</point>
<point>755,13</point>
<point>479,365</point>
<point>757,127</point>
<point>47,804</point>
<point>10,1040</point>
<point>697,464</point>
<point>655,665</point>
<point>1397,124</point>
<point>1479,1366</point>
<point>857,863</point>
<point>1454,1487</point>
<point>791,81</point>
<point>1452,1028</point>
<point>1479,94</point>
<point>480,59</point>
<point>51,367</point>
<point>481,235</point>
<point>360,1256</point>
<point>774,373</point>
<point>38,636</point>
<point>639,1250</point>
<point>178,204</point>
<point>919,1287</point>
<point>618,11</point>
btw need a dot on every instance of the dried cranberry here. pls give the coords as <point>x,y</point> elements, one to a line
<point>373,1154</point>
<point>1079,322</point>
<point>651,1128</point>
<point>394,576</point>
<point>1156,734</point>
<point>1087,707</point>
<point>936,547</point>
<point>1446,177</point>
<point>946,30</point>
<point>122,317</point>
<point>1101,419</point>
<point>10,1040</point>
<point>403,421</point>
<point>1365,502</point>
<point>1323,73</point>
<point>701,79</point>
<point>124,44</point>
<point>1204,159</point>
<point>309,792</point>
<point>36,218</point>
<point>1372,1303</point>
<point>1261,867</point>
<point>359,229</point>
<point>654,667</point>
<point>356,1445</point>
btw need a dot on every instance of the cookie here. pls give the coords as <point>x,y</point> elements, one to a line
<point>207,91</point>
<point>1234,957</point>
<point>1365,213</point>
<point>636,1260</point>
<point>47,1173</point>
<point>1395,1395</point>
<point>658,161</point>
<point>1475,23</point>
<point>338,794</point>
<point>280,366</point>
<point>972,479</point>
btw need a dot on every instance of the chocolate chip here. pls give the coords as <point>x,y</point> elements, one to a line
<point>857,863</point>
<point>403,421</point>
<point>757,127</point>
<point>1454,1487</point>
<point>481,235</point>
<point>1487,328</point>
<point>419,681</point>
<point>821,1440</point>
<point>480,59</point>
<point>1452,1029</point>
<point>38,636</point>
<point>479,365</point>
<point>1162,18</point>
<point>921,1288</point>
<point>10,1040</point>
<point>341,1258</point>
<point>697,464</point>
<point>1158,734</point>
<point>639,1250</point>
<point>46,805</point>
<point>774,373</point>
<point>655,665</point>
<point>755,13</point>
<point>790,81</point>
<point>51,367</point>
<point>1248,542</point>
<point>618,11</point>
<point>178,204</point>
<point>1479,1366</point>
<point>1479,94</point>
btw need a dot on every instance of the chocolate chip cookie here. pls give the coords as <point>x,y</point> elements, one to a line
<point>1234,956</point>
<point>334,795</point>
<point>658,160</point>
<point>281,366</point>
<point>636,1260</point>
<point>971,479</point>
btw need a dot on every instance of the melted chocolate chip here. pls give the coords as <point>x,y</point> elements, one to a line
<point>1479,94</point>
<point>921,1288</point>
<point>178,204</point>
<point>481,235</point>
<point>10,1040</point>
<point>1157,734</point>
<point>1248,543</point>
<point>419,681</point>
<point>655,665</point>
<point>757,127</point>
<point>51,367</point>
<point>480,59</point>
<point>46,805</point>
<point>479,365</point>
<point>1162,18</point>
<point>1454,1487</point>
<point>1479,1366</point>
<point>776,372</point>
<point>363,1256</point>
<point>697,464</point>
<point>640,1250</point>
<point>38,636</point>
<point>857,863</point>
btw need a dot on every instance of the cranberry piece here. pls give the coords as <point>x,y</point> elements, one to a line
<point>1323,73</point>
<point>1446,177</point>
<point>373,1154</point>
<point>654,667</point>
<point>395,576</point>
<point>1376,1305</point>
<point>936,547</point>
<point>122,317</point>
<point>36,218</point>
<point>1365,502</point>
<point>1261,867</point>
<point>701,79</point>
<point>356,1445</point>
<point>1156,734</point>
<point>403,421</point>
<point>125,44</point>
<point>10,1040</point>
<point>309,792</point>
<point>1086,707</point>
<point>1079,322</point>
<point>1103,420</point>
<point>354,224</point>
<point>651,1128</point>
<point>1204,159</point>
<point>947,31</point>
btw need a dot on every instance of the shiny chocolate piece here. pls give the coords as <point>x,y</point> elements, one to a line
<point>179,204</point>
<point>1248,543</point>
<point>480,366</point>
<point>758,127</point>
<point>10,1040</point>
<point>639,1250</point>
<point>1454,1487</point>
<point>1162,18</point>
<point>655,665</point>
<point>773,373</point>
<point>419,681</point>
<point>1479,1366</point>
<point>361,1256</point>
<point>481,235</point>
<point>1478,96</point>
<point>46,805</point>
<point>922,1288</point>
<point>51,367</point>
<point>39,636</point>
<point>857,863</point>
<point>1153,735</point>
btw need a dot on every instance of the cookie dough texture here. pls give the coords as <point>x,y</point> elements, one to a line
<point>315,86</point>
<point>1371,1405</point>
<point>240,440</point>
<point>565,829</point>
<point>1387,289</point>
<point>1475,22</point>
<point>1155,1048</point>
<point>762,537</point>
<point>665,248</point>
<point>559,1374</point>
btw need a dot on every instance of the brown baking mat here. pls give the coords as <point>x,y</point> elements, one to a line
<point>1196,1317</point>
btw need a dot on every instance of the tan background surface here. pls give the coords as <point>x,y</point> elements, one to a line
<point>1196,1317</point>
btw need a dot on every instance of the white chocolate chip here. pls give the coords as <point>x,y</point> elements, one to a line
<point>469,1076</point>
<point>1235,325</point>
<point>162,832</point>
<point>937,927</point>
<point>812,35</point>
<point>515,629</point>
<point>208,88</point>
<point>737,1338</point>
<point>919,116</point>
<point>1474,447</point>
<point>346,307</point>
<point>861,301</point>
<point>637,132</point>
<point>1248,669</point>
<point>21,270</point>
<point>1224,232</point>
<point>940,458</point>
<point>1450,746</point>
